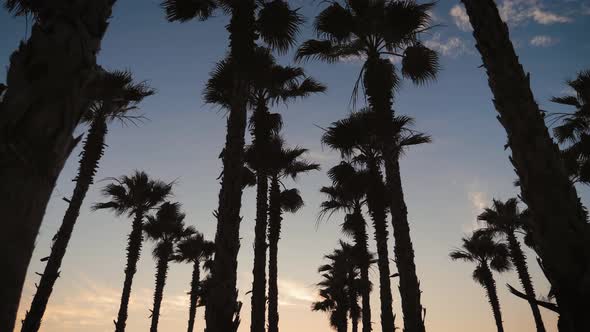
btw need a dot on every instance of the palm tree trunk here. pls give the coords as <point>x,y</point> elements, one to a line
<point>361,240</point>
<point>560,230</point>
<point>377,207</point>
<point>40,110</point>
<point>133,252</point>
<point>161,274</point>
<point>354,306</point>
<point>192,311</point>
<point>91,154</point>
<point>274,230</point>
<point>342,320</point>
<point>261,136</point>
<point>380,81</point>
<point>222,310</point>
<point>519,260</point>
<point>490,286</point>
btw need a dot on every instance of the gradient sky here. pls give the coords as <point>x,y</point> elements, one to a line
<point>447,183</point>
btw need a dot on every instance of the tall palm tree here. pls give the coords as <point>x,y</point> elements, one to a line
<point>376,31</point>
<point>347,194</point>
<point>41,107</point>
<point>134,195</point>
<point>194,249</point>
<point>273,84</point>
<point>481,248</point>
<point>560,229</point>
<point>166,228</point>
<point>283,163</point>
<point>117,96</point>
<point>275,23</point>
<point>505,219</point>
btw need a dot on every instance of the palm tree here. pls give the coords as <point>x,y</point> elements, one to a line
<point>275,23</point>
<point>166,229</point>
<point>561,231</point>
<point>505,219</point>
<point>347,194</point>
<point>134,195</point>
<point>273,84</point>
<point>481,249</point>
<point>283,162</point>
<point>376,31</point>
<point>41,107</point>
<point>117,95</point>
<point>194,249</point>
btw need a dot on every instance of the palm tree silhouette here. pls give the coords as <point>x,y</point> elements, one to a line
<point>505,219</point>
<point>275,23</point>
<point>376,31</point>
<point>282,163</point>
<point>347,194</point>
<point>481,249</point>
<point>166,228</point>
<point>560,227</point>
<point>194,249</point>
<point>134,195</point>
<point>41,107</point>
<point>117,95</point>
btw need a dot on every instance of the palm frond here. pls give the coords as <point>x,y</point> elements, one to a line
<point>334,23</point>
<point>186,10</point>
<point>291,200</point>
<point>420,64</point>
<point>278,25</point>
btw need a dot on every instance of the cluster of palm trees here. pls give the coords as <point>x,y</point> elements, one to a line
<point>52,88</point>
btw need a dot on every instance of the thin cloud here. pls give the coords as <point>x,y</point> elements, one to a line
<point>543,41</point>
<point>451,47</point>
<point>460,18</point>
<point>516,12</point>
<point>294,293</point>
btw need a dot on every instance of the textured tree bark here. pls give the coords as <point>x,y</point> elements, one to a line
<point>490,286</point>
<point>195,281</point>
<point>40,110</point>
<point>222,310</point>
<point>559,227</point>
<point>161,274</point>
<point>519,261</point>
<point>133,252</point>
<point>274,230</point>
<point>91,153</point>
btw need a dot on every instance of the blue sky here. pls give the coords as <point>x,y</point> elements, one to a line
<point>446,183</point>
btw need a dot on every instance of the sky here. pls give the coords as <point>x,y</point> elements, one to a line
<point>447,183</point>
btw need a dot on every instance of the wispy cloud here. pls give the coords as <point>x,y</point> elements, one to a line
<point>543,41</point>
<point>294,293</point>
<point>452,47</point>
<point>460,18</point>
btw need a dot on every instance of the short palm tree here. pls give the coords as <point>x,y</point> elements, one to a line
<point>275,23</point>
<point>481,248</point>
<point>194,249</point>
<point>283,163</point>
<point>41,109</point>
<point>561,232</point>
<point>117,95</point>
<point>133,195</point>
<point>166,228</point>
<point>505,219</point>
<point>348,194</point>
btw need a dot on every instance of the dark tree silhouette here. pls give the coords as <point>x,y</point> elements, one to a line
<point>505,219</point>
<point>194,249</point>
<point>376,31</point>
<point>117,96</point>
<point>560,229</point>
<point>277,25</point>
<point>166,229</point>
<point>283,162</point>
<point>134,195</point>
<point>347,194</point>
<point>40,110</point>
<point>481,249</point>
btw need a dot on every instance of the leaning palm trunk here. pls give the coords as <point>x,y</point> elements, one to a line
<point>361,241</point>
<point>490,286</point>
<point>161,274</point>
<point>379,82</point>
<point>133,252</point>
<point>91,154</point>
<point>274,230</point>
<point>40,110</point>
<point>559,227</point>
<point>261,137</point>
<point>192,312</point>
<point>519,261</point>
<point>222,310</point>
<point>377,207</point>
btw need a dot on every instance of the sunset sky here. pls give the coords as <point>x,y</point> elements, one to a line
<point>447,183</point>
